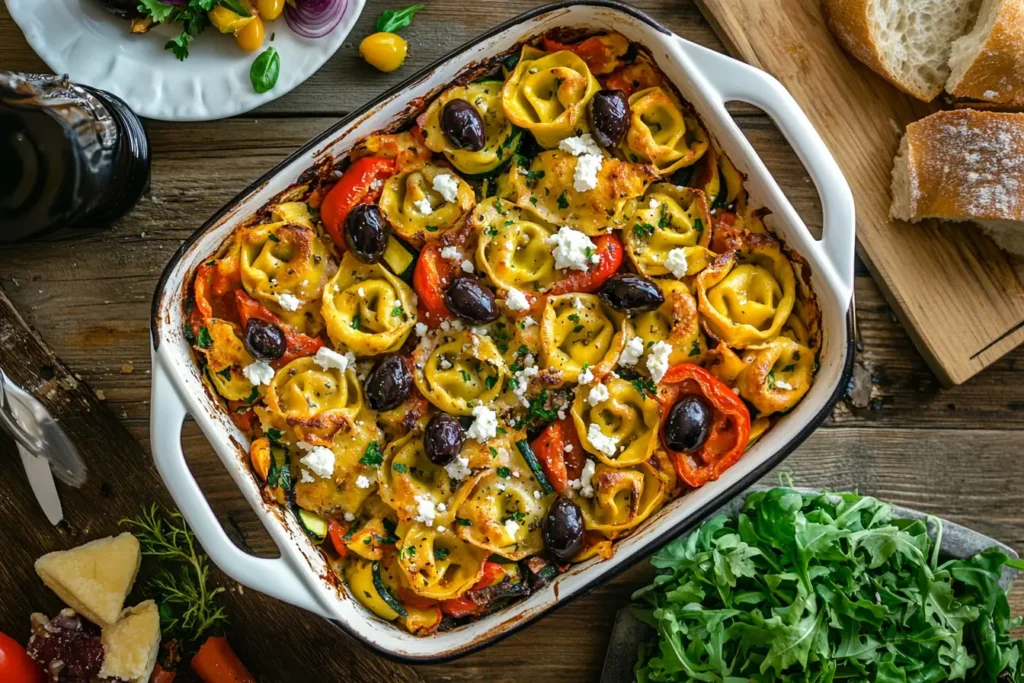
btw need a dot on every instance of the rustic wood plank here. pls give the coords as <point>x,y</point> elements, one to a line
<point>956,291</point>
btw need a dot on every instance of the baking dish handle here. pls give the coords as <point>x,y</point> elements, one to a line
<point>275,577</point>
<point>734,80</point>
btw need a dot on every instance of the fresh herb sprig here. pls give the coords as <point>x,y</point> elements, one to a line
<point>188,603</point>
<point>392,20</point>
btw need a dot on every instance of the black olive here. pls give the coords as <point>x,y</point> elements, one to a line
<point>389,383</point>
<point>609,117</point>
<point>471,300</point>
<point>264,340</point>
<point>443,439</point>
<point>462,125</point>
<point>563,529</point>
<point>631,293</point>
<point>688,424</point>
<point>129,9</point>
<point>367,232</point>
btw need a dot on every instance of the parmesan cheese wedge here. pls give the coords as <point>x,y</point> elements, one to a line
<point>131,645</point>
<point>93,579</point>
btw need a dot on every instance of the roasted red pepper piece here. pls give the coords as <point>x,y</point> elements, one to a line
<point>600,53</point>
<point>353,188</point>
<point>429,280</point>
<point>730,427</point>
<point>560,465</point>
<point>215,281</point>
<point>463,606</point>
<point>336,532</point>
<point>609,252</point>
<point>297,344</point>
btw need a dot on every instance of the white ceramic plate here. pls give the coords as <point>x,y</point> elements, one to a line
<point>80,38</point>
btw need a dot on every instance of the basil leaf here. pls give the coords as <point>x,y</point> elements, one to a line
<point>392,20</point>
<point>265,70</point>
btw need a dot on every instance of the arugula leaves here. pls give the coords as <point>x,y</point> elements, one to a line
<point>392,20</point>
<point>822,587</point>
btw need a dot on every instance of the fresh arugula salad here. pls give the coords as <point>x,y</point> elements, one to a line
<point>824,587</point>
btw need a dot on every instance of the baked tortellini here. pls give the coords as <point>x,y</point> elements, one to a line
<point>504,512</point>
<point>408,480</point>
<point>547,94</point>
<point>226,357</point>
<point>311,401</point>
<point>500,137</point>
<point>776,375</point>
<point>625,497</point>
<point>416,207</point>
<point>676,322</point>
<point>669,231</point>
<point>438,564</point>
<point>578,330</point>
<point>339,492</point>
<point>616,422</point>
<point>461,370</point>
<point>368,310</point>
<point>512,245</point>
<point>661,133</point>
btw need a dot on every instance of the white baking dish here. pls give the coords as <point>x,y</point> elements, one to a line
<point>705,78</point>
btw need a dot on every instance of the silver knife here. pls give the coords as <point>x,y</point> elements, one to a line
<point>40,478</point>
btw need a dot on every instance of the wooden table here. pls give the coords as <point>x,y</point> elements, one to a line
<point>896,434</point>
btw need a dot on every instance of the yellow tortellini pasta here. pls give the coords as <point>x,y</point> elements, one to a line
<point>460,371</point>
<point>777,375</point>
<point>666,219</point>
<point>625,497</point>
<point>500,136</point>
<point>549,186</point>
<point>310,401</point>
<point>578,330</point>
<point>661,133</point>
<point>746,295</point>
<point>675,322</point>
<point>512,245</point>
<point>415,481</point>
<point>225,358</point>
<point>620,429</point>
<point>547,94</point>
<point>285,267</point>
<point>339,493</point>
<point>367,309</point>
<point>415,207</point>
<point>438,564</point>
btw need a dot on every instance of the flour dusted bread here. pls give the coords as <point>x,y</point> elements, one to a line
<point>964,165</point>
<point>987,64</point>
<point>93,579</point>
<point>130,646</point>
<point>907,42</point>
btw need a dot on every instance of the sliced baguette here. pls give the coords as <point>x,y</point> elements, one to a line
<point>987,64</point>
<point>907,42</point>
<point>964,165</point>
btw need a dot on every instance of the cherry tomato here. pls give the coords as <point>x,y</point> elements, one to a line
<point>15,665</point>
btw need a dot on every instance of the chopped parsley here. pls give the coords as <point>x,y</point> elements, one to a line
<point>698,225</point>
<point>273,238</point>
<point>203,339</point>
<point>504,472</point>
<point>397,311</point>
<point>441,553</point>
<point>399,467</point>
<point>463,522</point>
<point>275,436</point>
<point>225,373</point>
<point>532,177</point>
<point>490,381</point>
<point>563,201</point>
<point>355,322</point>
<point>465,376</point>
<point>373,456</point>
<point>643,385</point>
<point>642,230</point>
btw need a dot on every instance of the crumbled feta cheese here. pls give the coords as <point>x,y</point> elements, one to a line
<point>258,373</point>
<point>582,144</point>
<point>578,304</point>
<point>327,359</point>
<point>422,329</point>
<point>631,354</point>
<point>362,482</point>
<point>289,302</point>
<point>587,376</point>
<point>783,385</point>
<point>447,187</point>
<point>529,360</point>
<point>376,184</point>
<point>444,364</point>
<point>485,424</point>
<point>423,206</point>
<point>425,511</point>
<point>320,460</point>
<point>500,486</point>
<point>511,527</point>
<point>536,494</point>
<point>458,469</point>
<point>441,529</point>
<point>568,448</point>
<point>586,479</point>
<point>657,360</point>
<point>305,446</point>
<point>676,262</point>
<point>571,248</point>
<point>305,477</point>
<point>597,394</point>
<point>528,321</point>
<point>653,205</point>
<point>361,292</point>
<point>451,253</point>
<point>523,382</point>
<point>585,177</point>
<point>604,444</point>
<point>441,507</point>
<point>467,266</point>
<point>349,517</point>
<point>516,301</point>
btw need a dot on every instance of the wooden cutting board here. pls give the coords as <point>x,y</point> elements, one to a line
<point>952,288</point>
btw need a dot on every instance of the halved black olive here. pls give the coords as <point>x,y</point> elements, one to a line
<point>631,293</point>
<point>471,300</point>
<point>264,340</point>
<point>563,529</point>
<point>367,232</point>
<point>609,117</point>
<point>462,125</point>
<point>442,439</point>
<point>389,383</point>
<point>688,424</point>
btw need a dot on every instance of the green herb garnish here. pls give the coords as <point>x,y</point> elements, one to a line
<point>392,20</point>
<point>265,70</point>
<point>504,472</point>
<point>372,457</point>
<point>203,339</point>
<point>563,201</point>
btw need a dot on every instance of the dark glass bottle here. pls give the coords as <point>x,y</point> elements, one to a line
<point>71,156</point>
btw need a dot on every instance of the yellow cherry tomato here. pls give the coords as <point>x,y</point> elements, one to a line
<point>250,36</point>
<point>270,9</point>
<point>226,21</point>
<point>386,51</point>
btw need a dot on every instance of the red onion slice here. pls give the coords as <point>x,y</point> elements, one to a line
<point>314,18</point>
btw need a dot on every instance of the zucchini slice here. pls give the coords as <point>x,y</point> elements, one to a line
<point>314,524</point>
<point>384,593</point>
<point>538,472</point>
<point>399,259</point>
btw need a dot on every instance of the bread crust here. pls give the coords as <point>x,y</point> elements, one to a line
<point>997,72</point>
<point>961,165</point>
